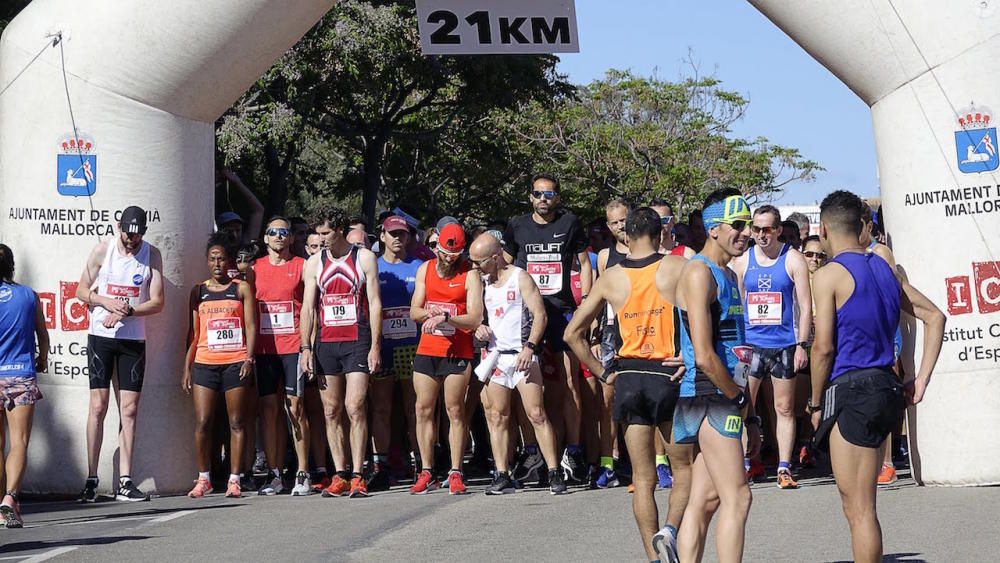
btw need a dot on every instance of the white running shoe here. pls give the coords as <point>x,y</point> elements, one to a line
<point>273,487</point>
<point>303,485</point>
<point>665,544</point>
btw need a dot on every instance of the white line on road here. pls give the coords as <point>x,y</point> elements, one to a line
<point>45,556</point>
<point>91,521</point>
<point>169,517</point>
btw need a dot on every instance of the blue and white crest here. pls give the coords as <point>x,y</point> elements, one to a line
<point>976,141</point>
<point>76,166</point>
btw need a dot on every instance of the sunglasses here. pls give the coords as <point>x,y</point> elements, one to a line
<point>479,263</point>
<point>278,232</point>
<point>432,244</point>
<point>244,258</point>
<point>547,194</point>
<point>739,225</point>
<point>666,220</point>
<point>762,230</point>
<point>811,254</point>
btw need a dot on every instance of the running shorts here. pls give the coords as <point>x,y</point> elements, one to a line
<point>221,378</point>
<point>644,392</point>
<point>866,405</point>
<point>105,356</point>
<point>778,363</point>
<point>339,358</point>
<point>553,336</point>
<point>439,367</point>
<point>275,371</point>
<point>721,413</point>
<point>18,392</point>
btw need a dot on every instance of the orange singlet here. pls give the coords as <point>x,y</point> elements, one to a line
<point>221,337</point>
<point>647,322</point>
<point>449,294</point>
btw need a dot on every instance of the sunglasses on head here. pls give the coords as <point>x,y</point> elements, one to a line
<point>811,254</point>
<point>547,194</point>
<point>666,220</point>
<point>278,232</point>
<point>762,230</point>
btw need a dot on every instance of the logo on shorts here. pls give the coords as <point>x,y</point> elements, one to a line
<point>462,363</point>
<point>733,424</point>
<point>5,294</point>
<point>137,279</point>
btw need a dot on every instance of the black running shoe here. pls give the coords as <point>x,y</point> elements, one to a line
<point>89,492</point>
<point>557,485</point>
<point>11,516</point>
<point>528,467</point>
<point>501,485</point>
<point>128,492</point>
<point>575,467</point>
<point>379,480</point>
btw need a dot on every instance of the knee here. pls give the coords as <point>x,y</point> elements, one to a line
<point>98,408</point>
<point>424,411</point>
<point>236,425</point>
<point>456,412</point>
<point>295,411</point>
<point>857,511</point>
<point>202,425</point>
<point>783,409</point>
<point>743,500</point>
<point>537,416</point>
<point>129,410</point>
<point>332,412</point>
<point>356,409</point>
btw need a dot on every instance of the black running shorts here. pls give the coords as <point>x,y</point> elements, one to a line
<point>222,377</point>
<point>554,329</point>
<point>439,367</point>
<point>339,358</point>
<point>106,356</point>
<point>276,371</point>
<point>778,363</point>
<point>866,405</point>
<point>644,392</point>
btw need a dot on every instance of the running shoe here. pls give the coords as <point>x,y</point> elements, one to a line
<point>259,465</point>
<point>501,484</point>
<point>11,515</point>
<point>128,492</point>
<point>607,479</point>
<point>201,488</point>
<point>806,458</point>
<point>338,487</point>
<point>756,471</point>
<point>89,492</point>
<point>321,483</point>
<point>665,479</point>
<point>665,544</point>
<point>456,483</point>
<point>574,466</point>
<point>358,487</point>
<point>424,484</point>
<point>379,481</point>
<point>631,488</point>
<point>527,467</point>
<point>233,489</point>
<point>303,485</point>
<point>273,487</point>
<point>887,475</point>
<point>557,485</point>
<point>785,480</point>
<point>247,483</point>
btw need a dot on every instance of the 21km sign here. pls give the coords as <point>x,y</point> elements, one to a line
<point>477,27</point>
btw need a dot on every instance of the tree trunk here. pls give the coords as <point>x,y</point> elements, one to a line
<point>277,181</point>
<point>372,169</point>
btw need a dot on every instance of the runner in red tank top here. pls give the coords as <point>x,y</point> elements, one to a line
<point>342,283</point>
<point>220,360</point>
<point>448,301</point>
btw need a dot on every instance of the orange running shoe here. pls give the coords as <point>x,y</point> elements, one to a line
<point>201,488</point>
<point>456,483</point>
<point>785,480</point>
<point>321,484</point>
<point>233,489</point>
<point>338,487</point>
<point>888,475</point>
<point>425,483</point>
<point>358,487</point>
<point>631,488</point>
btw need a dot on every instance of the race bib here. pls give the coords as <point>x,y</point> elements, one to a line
<point>124,293</point>
<point>443,329</point>
<point>225,335</point>
<point>397,324</point>
<point>547,271</point>
<point>764,308</point>
<point>340,309</point>
<point>277,317</point>
<point>741,372</point>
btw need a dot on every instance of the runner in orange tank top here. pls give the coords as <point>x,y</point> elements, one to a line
<point>220,360</point>
<point>448,302</point>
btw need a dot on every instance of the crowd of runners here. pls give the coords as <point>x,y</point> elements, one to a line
<point>638,347</point>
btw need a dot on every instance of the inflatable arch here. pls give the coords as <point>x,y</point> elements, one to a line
<point>144,106</point>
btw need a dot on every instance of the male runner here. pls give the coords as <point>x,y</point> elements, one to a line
<point>448,303</point>
<point>516,323</point>
<point>314,242</point>
<point>645,371</point>
<point>318,448</point>
<point>342,282</point>
<point>121,284</point>
<point>300,235</point>
<point>802,223</point>
<point>279,288</point>
<point>858,302</point>
<point>545,243</point>
<point>773,276</point>
<point>668,221</point>
<point>713,407</point>
<point>397,275</point>
<point>22,325</point>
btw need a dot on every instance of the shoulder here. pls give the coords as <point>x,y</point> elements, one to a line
<point>423,269</point>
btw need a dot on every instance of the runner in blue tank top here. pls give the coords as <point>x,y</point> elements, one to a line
<point>774,282</point>
<point>858,300</point>
<point>21,324</point>
<point>713,406</point>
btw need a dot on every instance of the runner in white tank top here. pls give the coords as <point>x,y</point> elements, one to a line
<point>121,284</point>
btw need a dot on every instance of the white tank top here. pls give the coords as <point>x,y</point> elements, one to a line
<point>509,319</point>
<point>125,278</point>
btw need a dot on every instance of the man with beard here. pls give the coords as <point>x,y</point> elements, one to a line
<point>121,284</point>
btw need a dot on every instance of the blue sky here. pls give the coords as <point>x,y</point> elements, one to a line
<point>794,101</point>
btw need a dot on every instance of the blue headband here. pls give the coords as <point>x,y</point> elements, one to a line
<point>733,208</point>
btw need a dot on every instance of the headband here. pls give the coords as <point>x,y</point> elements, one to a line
<point>733,208</point>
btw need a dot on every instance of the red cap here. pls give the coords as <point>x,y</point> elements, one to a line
<point>452,239</point>
<point>395,223</point>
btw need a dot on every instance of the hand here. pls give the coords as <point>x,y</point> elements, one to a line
<point>914,390</point>
<point>41,364</point>
<point>112,305</point>
<point>246,369</point>
<point>815,418</point>
<point>524,359</point>
<point>801,358</point>
<point>186,381</point>
<point>112,319</point>
<point>611,378</point>
<point>753,441</point>
<point>306,362</point>
<point>434,311</point>
<point>374,359</point>
<point>431,324</point>
<point>483,333</point>
<point>675,362</point>
<point>595,350</point>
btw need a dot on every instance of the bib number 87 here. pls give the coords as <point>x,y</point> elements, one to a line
<point>543,279</point>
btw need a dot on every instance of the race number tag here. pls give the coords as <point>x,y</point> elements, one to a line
<point>764,307</point>
<point>744,356</point>
<point>340,309</point>
<point>225,335</point>
<point>443,329</point>
<point>397,324</point>
<point>124,293</point>
<point>277,317</point>
<point>546,270</point>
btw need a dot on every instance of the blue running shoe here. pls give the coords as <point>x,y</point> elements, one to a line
<point>607,479</point>
<point>664,475</point>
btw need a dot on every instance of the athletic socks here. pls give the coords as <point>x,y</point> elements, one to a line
<point>276,472</point>
<point>573,449</point>
<point>746,464</point>
<point>203,475</point>
<point>608,462</point>
<point>234,477</point>
<point>784,466</point>
<point>662,460</point>
<point>531,449</point>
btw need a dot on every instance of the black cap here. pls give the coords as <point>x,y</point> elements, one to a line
<point>133,220</point>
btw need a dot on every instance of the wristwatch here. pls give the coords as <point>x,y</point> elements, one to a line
<point>812,407</point>
<point>530,345</point>
<point>804,345</point>
<point>130,311</point>
<point>304,348</point>
<point>447,316</point>
<point>603,378</point>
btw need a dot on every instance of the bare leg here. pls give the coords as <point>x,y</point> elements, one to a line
<point>267,408</point>
<point>569,371</point>
<point>300,431</point>
<point>856,471</point>
<point>456,387</point>
<point>498,416</point>
<point>590,394</point>
<point>724,461</point>
<point>639,441</point>
<point>19,425</point>
<point>409,397</point>
<point>99,399</point>
<point>332,394</point>
<point>784,405</point>
<point>702,504</point>
<point>357,394</point>
<point>681,459</point>
<point>380,394</point>
<point>533,401</point>
<point>317,426</point>
<point>236,402</point>
<point>204,419</point>
<point>426,388</point>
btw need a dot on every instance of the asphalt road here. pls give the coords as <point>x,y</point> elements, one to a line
<point>919,523</point>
